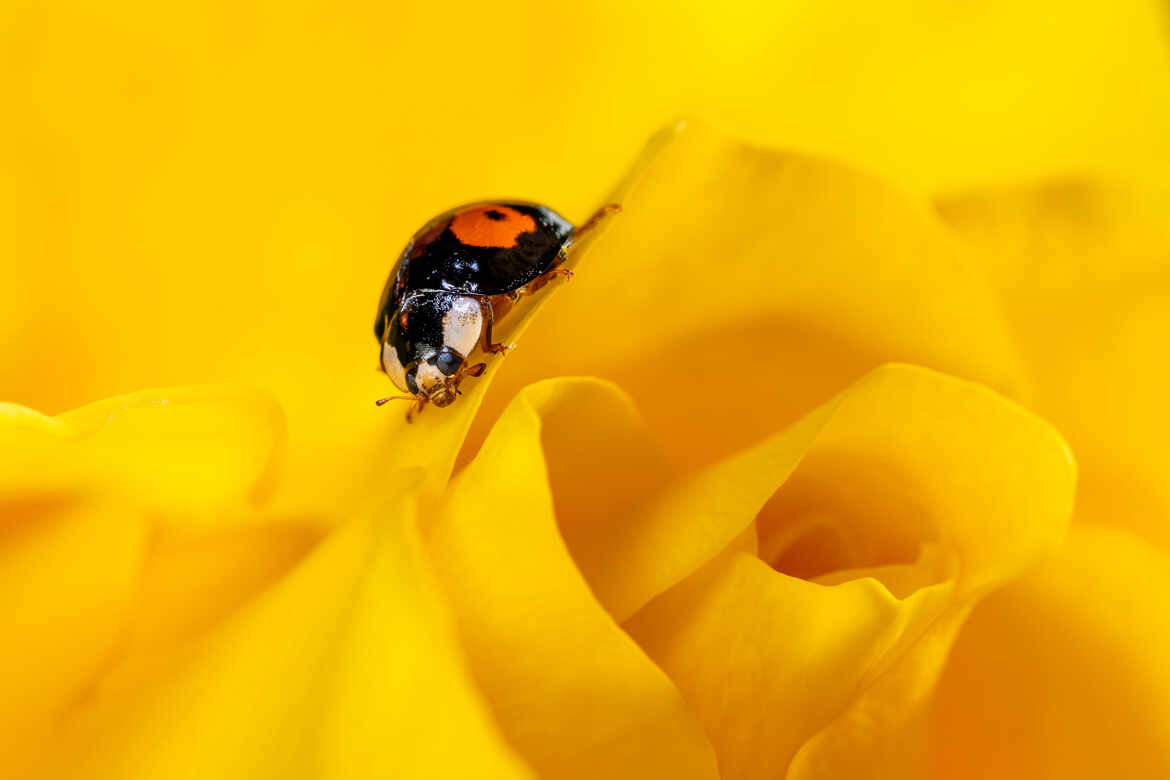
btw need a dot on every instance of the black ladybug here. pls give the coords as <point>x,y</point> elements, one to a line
<point>458,276</point>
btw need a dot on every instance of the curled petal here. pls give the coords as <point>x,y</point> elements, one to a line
<point>569,688</point>
<point>954,479</point>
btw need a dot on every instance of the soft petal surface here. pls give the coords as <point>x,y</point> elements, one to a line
<point>1064,674</point>
<point>198,448</point>
<point>184,450</point>
<point>740,287</point>
<point>1084,270</point>
<point>569,688</point>
<point>778,667</point>
<point>191,579</point>
<point>67,581</point>
<point>345,668</point>
<point>85,500</point>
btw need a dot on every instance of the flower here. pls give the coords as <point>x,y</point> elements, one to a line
<point>778,485</point>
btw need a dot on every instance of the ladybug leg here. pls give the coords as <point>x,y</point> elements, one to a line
<point>466,371</point>
<point>541,281</point>
<point>580,236</point>
<point>489,317</point>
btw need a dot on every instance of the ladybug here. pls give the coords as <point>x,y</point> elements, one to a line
<point>457,278</point>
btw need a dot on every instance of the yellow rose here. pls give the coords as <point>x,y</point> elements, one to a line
<point>767,491</point>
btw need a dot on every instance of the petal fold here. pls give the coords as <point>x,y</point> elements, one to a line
<point>181,450</point>
<point>905,461</point>
<point>570,689</point>
<point>83,499</point>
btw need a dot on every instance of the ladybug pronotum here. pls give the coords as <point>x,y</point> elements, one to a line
<point>459,276</point>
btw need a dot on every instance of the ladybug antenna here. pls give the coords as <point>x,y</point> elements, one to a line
<point>382,401</point>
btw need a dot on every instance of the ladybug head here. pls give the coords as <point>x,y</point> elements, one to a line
<point>426,344</point>
<point>437,377</point>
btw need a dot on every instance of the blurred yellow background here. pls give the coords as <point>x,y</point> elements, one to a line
<point>201,191</point>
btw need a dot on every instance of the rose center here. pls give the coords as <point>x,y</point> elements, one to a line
<point>838,512</point>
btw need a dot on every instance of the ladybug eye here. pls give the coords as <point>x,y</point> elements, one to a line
<point>411,381</point>
<point>448,362</point>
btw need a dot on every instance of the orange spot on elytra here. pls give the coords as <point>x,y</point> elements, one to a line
<point>491,226</point>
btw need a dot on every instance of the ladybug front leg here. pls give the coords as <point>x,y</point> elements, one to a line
<point>465,372</point>
<point>488,310</point>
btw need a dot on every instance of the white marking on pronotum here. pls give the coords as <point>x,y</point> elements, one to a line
<point>393,367</point>
<point>463,325</point>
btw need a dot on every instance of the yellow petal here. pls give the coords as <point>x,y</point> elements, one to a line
<point>569,688</point>
<point>185,450</point>
<point>80,494</point>
<point>35,456</point>
<point>345,668</point>
<point>68,570</point>
<point>766,659</point>
<point>402,701</point>
<point>193,448</point>
<point>684,525</point>
<point>1064,674</point>
<point>748,285</point>
<point>1082,268</point>
<point>191,579</point>
<point>903,459</point>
